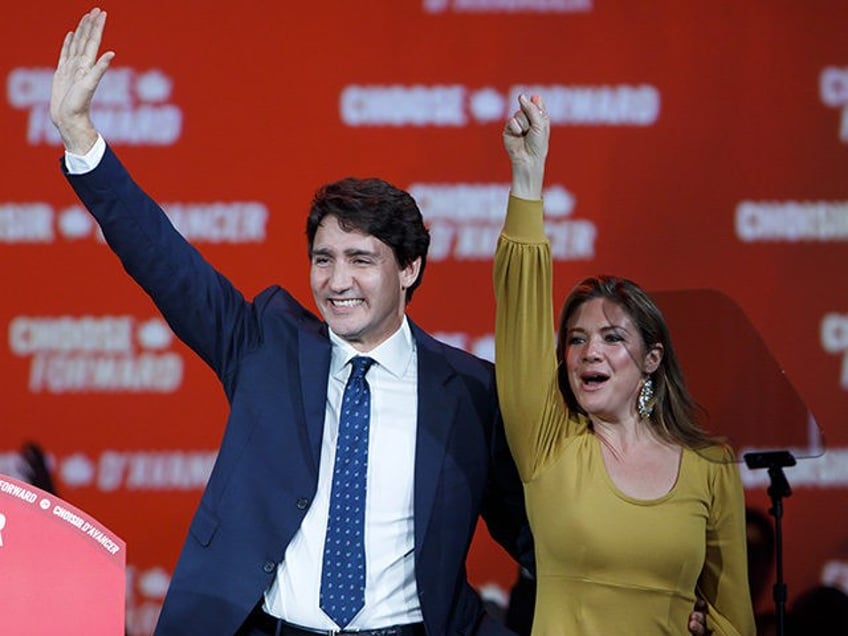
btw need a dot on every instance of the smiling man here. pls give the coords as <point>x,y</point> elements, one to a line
<point>359,452</point>
<point>368,247</point>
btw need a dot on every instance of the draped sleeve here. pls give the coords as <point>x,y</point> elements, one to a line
<point>534,412</point>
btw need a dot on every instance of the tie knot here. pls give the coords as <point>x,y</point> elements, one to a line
<point>360,365</point>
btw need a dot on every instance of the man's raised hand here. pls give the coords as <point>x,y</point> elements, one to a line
<point>76,78</point>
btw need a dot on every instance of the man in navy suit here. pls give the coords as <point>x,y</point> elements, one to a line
<point>252,561</point>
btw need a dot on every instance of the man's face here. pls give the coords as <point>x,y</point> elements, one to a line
<point>357,284</point>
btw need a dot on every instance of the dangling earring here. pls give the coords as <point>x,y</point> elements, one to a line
<point>645,401</point>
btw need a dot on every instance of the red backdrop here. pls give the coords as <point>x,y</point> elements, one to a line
<point>694,146</point>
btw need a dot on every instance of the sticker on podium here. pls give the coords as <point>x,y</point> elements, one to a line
<point>62,571</point>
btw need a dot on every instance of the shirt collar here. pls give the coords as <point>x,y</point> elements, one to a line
<point>394,354</point>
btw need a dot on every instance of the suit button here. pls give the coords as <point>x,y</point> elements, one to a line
<point>268,567</point>
<point>302,502</point>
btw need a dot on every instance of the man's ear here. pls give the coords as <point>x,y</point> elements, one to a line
<point>409,274</point>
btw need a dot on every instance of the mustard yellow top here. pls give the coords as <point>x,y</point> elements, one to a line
<point>607,564</point>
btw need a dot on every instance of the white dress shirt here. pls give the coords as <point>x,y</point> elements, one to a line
<point>391,596</point>
<point>80,164</point>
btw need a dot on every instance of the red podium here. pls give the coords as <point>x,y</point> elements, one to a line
<point>61,571</point>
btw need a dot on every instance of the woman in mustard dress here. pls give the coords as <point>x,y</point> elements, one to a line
<point>635,511</point>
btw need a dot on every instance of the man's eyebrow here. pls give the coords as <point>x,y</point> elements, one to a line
<point>359,252</point>
<point>351,252</point>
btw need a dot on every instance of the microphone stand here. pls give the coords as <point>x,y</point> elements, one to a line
<point>775,461</point>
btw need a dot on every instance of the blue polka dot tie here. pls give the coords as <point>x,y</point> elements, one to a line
<point>343,572</point>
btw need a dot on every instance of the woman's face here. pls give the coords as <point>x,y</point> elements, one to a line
<point>606,360</point>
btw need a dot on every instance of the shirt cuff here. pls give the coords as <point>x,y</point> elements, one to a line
<point>524,221</point>
<point>80,164</point>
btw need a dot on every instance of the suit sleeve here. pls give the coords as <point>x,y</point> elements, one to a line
<point>724,579</point>
<point>201,306</point>
<point>503,503</point>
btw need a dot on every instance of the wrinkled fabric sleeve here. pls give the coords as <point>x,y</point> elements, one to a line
<point>200,304</point>
<point>724,579</point>
<point>525,356</point>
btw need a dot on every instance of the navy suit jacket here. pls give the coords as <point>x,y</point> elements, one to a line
<point>272,357</point>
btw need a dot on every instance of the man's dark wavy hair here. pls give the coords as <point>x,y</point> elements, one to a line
<point>378,208</point>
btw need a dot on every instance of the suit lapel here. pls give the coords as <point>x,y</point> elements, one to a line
<point>437,407</point>
<point>314,350</point>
